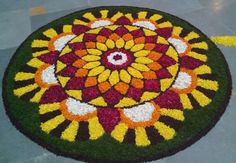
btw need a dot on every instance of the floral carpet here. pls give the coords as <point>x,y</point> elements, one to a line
<point>116,84</point>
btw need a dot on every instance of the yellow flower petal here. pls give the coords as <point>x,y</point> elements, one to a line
<point>141,137</point>
<point>71,131</point>
<point>104,75</point>
<point>50,33</point>
<point>124,76</point>
<point>110,44</point>
<point>140,67</point>
<point>96,71</point>
<point>129,44</point>
<point>135,73</point>
<point>141,53</point>
<point>125,102</point>
<point>120,43</point>
<point>94,51</point>
<point>114,77</point>
<point>99,101</point>
<point>101,46</point>
<point>164,130</point>
<point>137,47</point>
<point>89,58</point>
<point>143,60</point>
<point>91,65</point>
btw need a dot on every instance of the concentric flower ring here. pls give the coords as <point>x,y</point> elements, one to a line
<point>137,76</point>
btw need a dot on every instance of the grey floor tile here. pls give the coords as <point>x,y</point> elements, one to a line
<point>226,14</point>
<point>8,5</point>
<point>215,4</point>
<point>207,22</point>
<point>60,5</point>
<point>14,27</point>
<point>41,20</point>
<point>183,6</point>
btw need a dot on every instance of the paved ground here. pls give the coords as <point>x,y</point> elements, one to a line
<point>18,18</point>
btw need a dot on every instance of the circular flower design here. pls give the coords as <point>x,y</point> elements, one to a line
<point>129,75</point>
<point>117,66</point>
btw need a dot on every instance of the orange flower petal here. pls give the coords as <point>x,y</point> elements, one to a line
<point>154,66</point>
<point>149,75</point>
<point>81,72</point>
<point>127,37</point>
<point>137,83</point>
<point>140,40</point>
<point>101,39</point>
<point>104,86</point>
<point>90,45</point>
<point>81,53</point>
<point>90,81</point>
<point>79,63</point>
<point>122,87</point>
<point>154,55</point>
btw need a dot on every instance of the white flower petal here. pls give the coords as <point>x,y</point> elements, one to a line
<point>48,76</point>
<point>146,24</point>
<point>179,45</point>
<point>140,113</point>
<point>60,43</point>
<point>182,81</point>
<point>78,108</point>
<point>100,23</point>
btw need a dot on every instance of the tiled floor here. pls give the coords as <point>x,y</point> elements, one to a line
<point>213,17</point>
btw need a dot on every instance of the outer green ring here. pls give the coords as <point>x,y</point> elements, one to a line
<point>196,124</point>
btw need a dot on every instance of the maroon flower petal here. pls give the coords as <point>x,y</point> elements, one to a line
<point>68,58</point>
<point>137,33</point>
<point>68,71</point>
<point>49,58</point>
<point>161,48</point>
<point>134,93</point>
<point>75,83</point>
<point>190,63</point>
<point>89,37</point>
<point>109,118</point>
<point>152,85</point>
<point>90,93</point>
<point>169,99</point>
<point>78,29</point>
<point>121,31</point>
<point>163,73</point>
<point>53,94</point>
<point>112,97</point>
<point>123,21</point>
<point>105,32</point>
<point>77,46</point>
<point>166,61</point>
<point>151,39</point>
<point>164,32</point>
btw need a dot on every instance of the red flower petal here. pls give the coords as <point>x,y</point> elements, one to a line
<point>53,94</point>
<point>123,21</point>
<point>190,63</point>
<point>78,29</point>
<point>112,97</point>
<point>49,58</point>
<point>75,83</point>
<point>68,58</point>
<point>108,118</point>
<point>164,32</point>
<point>169,99</point>
<point>90,93</point>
